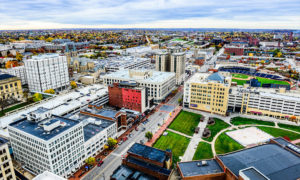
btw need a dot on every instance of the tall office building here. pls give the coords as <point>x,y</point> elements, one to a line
<point>207,92</point>
<point>172,61</point>
<point>18,71</point>
<point>45,142</point>
<point>7,170</point>
<point>48,71</point>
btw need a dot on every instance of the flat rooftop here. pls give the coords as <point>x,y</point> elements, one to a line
<point>148,152</point>
<point>272,160</point>
<point>45,56</point>
<point>37,130</point>
<point>60,104</point>
<point>195,168</point>
<point>157,77</point>
<point>5,76</point>
<point>253,173</point>
<point>125,173</point>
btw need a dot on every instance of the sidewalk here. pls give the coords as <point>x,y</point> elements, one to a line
<point>161,130</point>
<point>192,147</point>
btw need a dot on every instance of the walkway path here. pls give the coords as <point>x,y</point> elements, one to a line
<point>180,133</point>
<point>192,147</point>
<point>160,131</point>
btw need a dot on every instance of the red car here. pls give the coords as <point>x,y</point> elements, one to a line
<point>100,163</point>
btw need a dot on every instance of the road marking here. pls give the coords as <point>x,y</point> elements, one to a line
<point>100,172</point>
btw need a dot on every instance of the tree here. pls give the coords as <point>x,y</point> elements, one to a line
<point>90,161</point>
<point>19,56</point>
<point>111,142</point>
<point>37,97</point>
<point>10,64</point>
<point>50,91</point>
<point>149,135</point>
<point>73,84</point>
<point>179,100</point>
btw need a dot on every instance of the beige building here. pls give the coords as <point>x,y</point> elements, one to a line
<point>10,86</point>
<point>7,169</point>
<point>82,64</point>
<point>207,92</point>
<point>171,61</point>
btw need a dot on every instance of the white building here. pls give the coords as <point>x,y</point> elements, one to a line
<point>19,72</point>
<point>45,142</point>
<point>265,102</point>
<point>96,132</point>
<point>47,71</point>
<point>159,84</point>
<point>48,176</point>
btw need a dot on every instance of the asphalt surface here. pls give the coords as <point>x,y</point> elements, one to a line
<point>113,160</point>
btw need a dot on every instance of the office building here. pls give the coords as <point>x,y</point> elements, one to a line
<point>46,175</point>
<point>129,95</point>
<point>10,87</point>
<point>207,92</point>
<point>142,160</point>
<point>234,50</point>
<point>276,103</point>
<point>172,61</point>
<point>7,169</point>
<point>96,131</point>
<point>159,84</point>
<point>18,71</point>
<point>47,71</point>
<point>45,142</point>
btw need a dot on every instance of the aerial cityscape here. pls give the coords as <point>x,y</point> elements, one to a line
<point>150,90</point>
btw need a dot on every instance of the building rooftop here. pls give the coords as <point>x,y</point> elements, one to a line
<point>3,141</point>
<point>148,152</point>
<point>107,113</point>
<point>61,104</point>
<point>57,126</point>
<point>253,173</point>
<point>45,56</point>
<point>195,168</point>
<point>157,76</point>
<point>216,77</point>
<point>46,175</point>
<point>272,160</point>
<point>125,173</point>
<point>5,76</point>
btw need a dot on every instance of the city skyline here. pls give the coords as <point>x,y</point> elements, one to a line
<point>269,14</point>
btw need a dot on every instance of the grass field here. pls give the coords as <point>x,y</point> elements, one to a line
<point>271,81</point>
<point>242,121</point>
<point>203,151</point>
<point>224,144</point>
<point>186,122</point>
<point>291,127</point>
<point>175,142</point>
<point>241,76</point>
<point>239,82</point>
<point>217,127</point>
<point>280,133</point>
<point>13,108</point>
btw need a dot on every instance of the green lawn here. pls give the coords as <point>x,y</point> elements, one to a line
<point>271,81</point>
<point>279,132</point>
<point>242,76</point>
<point>203,151</point>
<point>242,121</point>
<point>291,127</point>
<point>224,144</point>
<point>175,142</point>
<point>186,122</point>
<point>239,82</point>
<point>217,127</point>
<point>13,108</point>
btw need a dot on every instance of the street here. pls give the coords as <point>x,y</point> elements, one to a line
<point>113,160</point>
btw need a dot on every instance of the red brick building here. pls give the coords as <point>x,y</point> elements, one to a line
<point>128,95</point>
<point>235,51</point>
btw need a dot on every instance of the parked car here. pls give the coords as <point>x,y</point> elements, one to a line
<point>100,163</point>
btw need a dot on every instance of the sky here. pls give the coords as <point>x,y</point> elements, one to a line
<point>247,14</point>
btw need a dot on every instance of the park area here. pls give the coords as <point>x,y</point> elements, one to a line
<point>173,141</point>
<point>243,121</point>
<point>203,151</point>
<point>185,122</point>
<point>215,128</point>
